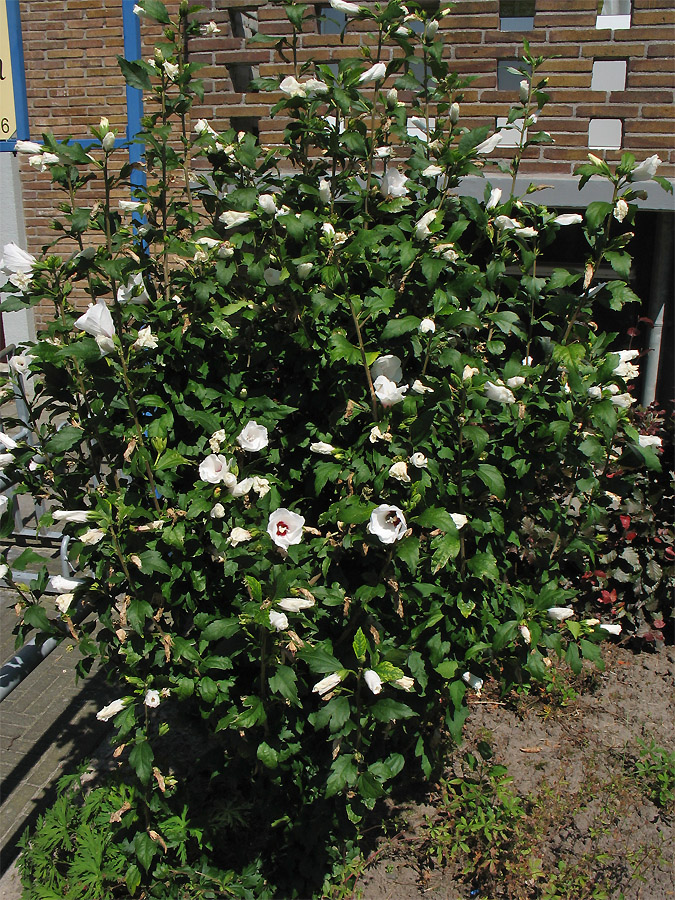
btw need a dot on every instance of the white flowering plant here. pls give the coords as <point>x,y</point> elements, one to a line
<point>328,447</point>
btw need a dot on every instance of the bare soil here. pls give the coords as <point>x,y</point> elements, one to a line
<point>590,826</point>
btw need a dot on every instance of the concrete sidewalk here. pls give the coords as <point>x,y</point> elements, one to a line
<point>47,726</point>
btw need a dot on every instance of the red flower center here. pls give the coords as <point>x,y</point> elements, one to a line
<point>282,529</point>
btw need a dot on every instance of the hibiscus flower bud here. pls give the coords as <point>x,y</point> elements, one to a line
<point>375,73</point>
<point>454,114</point>
<point>559,613</point>
<point>620,210</point>
<point>327,684</point>
<point>322,448</point>
<point>523,90</point>
<point>373,681</point>
<point>419,460</point>
<point>112,709</point>
<point>239,536</point>
<point>427,326</point>
<point>499,393</point>
<point>295,604</point>
<point>474,682</point>
<point>278,620</point>
<point>399,471</point>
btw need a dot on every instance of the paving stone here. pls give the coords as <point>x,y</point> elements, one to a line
<point>47,727</point>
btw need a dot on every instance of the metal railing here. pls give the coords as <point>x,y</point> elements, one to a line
<point>34,651</point>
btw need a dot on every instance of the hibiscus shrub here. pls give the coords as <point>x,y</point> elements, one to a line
<point>329,446</point>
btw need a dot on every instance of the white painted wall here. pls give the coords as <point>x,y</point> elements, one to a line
<point>19,326</point>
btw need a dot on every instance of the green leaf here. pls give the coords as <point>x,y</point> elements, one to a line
<point>396,327</point>
<point>569,355</point>
<point>408,550</point>
<point>64,439</point>
<point>221,628</point>
<point>388,710</point>
<point>341,348</point>
<point>432,266</point>
<point>145,848</point>
<point>284,682</point>
<point>620,262</point>
<point>447,668</point>
<point>446,548</point>
<point>591,652</point>
<point>207,689</point>
<point>572,657</point>
<point>255,588</point>
<point>132,879</point>
<point>360,645</point>
<point>335,713</point>
<point>320,660</point>
<point>137,613</point>
<point>26,559</point>
<point>503,635</point>
<point>597,212</point>
<point>295,14</point>
<point>35,616</point>
<point>477,436</point>
<point>170,459</point>
<point>343,772</point>
<point>436,517</point>
<point>432,618</point>
<point>156,10</point>
<point>153,561</point>
<point>369,787</point>
<point>135,74</point>
<point>267,755</point>
<point>350,511</point>
<point>492,478</point>
<point>484,565</point>
<point>535,666</point>
<point>141,758</point>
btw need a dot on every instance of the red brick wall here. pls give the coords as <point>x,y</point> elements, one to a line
<point>70,49</point>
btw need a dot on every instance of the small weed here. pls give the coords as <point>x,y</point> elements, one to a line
<point>655,770</point>
<point>477,819</point>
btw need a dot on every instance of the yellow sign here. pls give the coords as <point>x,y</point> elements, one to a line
<point>7,110</point>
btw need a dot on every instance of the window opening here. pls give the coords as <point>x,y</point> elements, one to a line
<point>609,75</point>
<point>332,21</point>
<point>416,127</point>
<point>516,15</point>
<point>508,81</point>
<point>249,124</point>
<point>614,14</point>
<point>241,76</point>
<point>244,22</point>
<point>605,134</point>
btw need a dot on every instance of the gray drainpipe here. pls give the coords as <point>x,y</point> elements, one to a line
<point>661,283</point>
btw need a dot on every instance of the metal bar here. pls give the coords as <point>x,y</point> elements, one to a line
<point>29,657</point>
<point>131,28</point>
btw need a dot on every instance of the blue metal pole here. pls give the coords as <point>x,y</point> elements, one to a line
<point>131,28</point>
